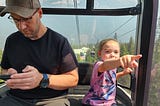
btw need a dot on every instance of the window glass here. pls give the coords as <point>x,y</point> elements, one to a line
<point>2,2</point>
<point>111,4</point>
<point>85,32</point>
<point>154,92</point>
<point>7,27</point>
<point>63,3</point>
<point>80,4</point>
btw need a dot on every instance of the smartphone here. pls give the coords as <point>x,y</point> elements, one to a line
<point>4,77</point>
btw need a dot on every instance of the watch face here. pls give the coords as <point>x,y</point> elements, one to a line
<point>44,82</point>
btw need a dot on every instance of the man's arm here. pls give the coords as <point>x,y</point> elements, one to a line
<point>30,78</point>
<point>64,81</point>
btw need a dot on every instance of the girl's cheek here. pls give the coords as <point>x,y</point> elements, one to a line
<point>106,56</point>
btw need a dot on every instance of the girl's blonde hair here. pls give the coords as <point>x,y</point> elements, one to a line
<point>102,42</point>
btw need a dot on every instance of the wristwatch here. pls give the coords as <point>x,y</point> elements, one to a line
<point>44,82</point>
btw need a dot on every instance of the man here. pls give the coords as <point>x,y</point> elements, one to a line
<point>41,61</point>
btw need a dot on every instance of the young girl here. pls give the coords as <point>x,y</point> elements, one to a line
<point>103,81</point>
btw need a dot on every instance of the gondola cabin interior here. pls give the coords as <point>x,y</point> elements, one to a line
<point>134,23</point>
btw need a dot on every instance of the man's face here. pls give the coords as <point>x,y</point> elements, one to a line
<point>28,26</point>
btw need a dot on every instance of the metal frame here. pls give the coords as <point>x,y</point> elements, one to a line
<point>146,33</point>
<point>91,11</point>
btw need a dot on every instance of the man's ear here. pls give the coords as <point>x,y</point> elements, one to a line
<point>40,12</point>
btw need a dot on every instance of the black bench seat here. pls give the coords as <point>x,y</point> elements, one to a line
<point>76,94</point>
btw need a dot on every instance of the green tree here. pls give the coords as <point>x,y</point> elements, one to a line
<point>131,46</point>
<point>154,91</point>
<point>124,49</point>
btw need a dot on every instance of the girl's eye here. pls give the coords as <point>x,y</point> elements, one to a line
<point>116,52</point>
<point>106,51</point>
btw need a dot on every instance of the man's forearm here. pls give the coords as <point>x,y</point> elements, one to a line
<point>63,81</point>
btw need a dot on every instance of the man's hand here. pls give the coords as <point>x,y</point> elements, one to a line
<point>29,79</point>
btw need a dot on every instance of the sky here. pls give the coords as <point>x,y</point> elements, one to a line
<point>91,28</point>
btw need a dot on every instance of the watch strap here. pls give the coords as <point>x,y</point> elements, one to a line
<point>45,76</point>
<point>45,81</point>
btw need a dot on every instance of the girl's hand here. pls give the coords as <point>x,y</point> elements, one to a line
<point>127,71</point>
<point>129,61</point>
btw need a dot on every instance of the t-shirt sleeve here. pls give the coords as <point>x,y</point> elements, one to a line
<point>69,61</point>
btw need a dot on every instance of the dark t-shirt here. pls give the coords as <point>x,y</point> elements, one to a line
<point>50,54</point>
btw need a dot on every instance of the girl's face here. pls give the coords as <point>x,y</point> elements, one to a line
<point>110,50</point>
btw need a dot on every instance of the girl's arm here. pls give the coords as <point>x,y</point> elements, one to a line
<point>125,61</point>
<point>124,72</point>
<point>109,64</point>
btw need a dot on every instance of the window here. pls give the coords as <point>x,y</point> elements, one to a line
<point>154,91</point>
<point>63,3</point>
<point>113,4</point>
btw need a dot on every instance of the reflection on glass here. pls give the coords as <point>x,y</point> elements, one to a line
<point>63,3</point>
<point>91,29</point>
<point>85,32</point>
<point>2,2</point>
<point>111,4</point>
<point>98,4</point>
<point>154,92</point>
